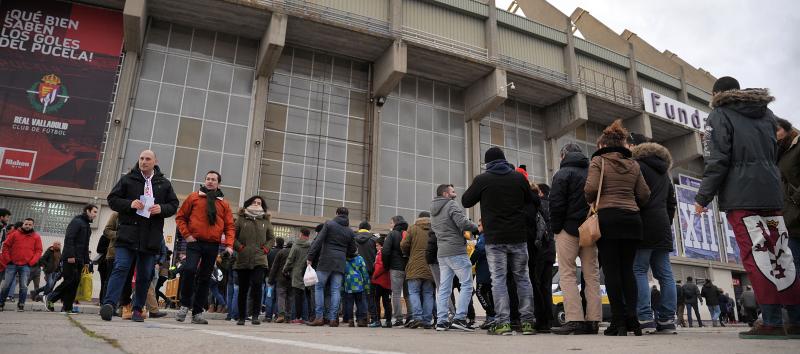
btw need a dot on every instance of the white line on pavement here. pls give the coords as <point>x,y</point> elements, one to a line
<point>295,343</point>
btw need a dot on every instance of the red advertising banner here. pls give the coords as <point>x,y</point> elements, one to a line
<point>58,65</point>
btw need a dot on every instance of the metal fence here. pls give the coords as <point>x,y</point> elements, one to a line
<point>599,84</point>
<point>532,69</point>
<point>444,44</point>
<point>323,13</point>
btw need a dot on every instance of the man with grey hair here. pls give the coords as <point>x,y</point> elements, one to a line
<point>568,209</point>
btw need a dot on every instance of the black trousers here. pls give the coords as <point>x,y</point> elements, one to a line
<point>616,260</point>
<point>486,298</point>
<point>250,282</point>
<point>386,299</point>
<point>196,274</point>
<point>302,297</point>
<point>66,291</point>
<point>105,273</point>
<point>541,272</point>
<point>160,294</point>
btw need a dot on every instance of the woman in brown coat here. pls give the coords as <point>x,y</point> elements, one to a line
<point>623,190</point>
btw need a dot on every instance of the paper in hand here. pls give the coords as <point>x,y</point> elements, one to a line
<point>148,202</point>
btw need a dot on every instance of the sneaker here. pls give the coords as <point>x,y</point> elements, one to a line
<point>500,330</point>
<point>414,324</point>
<point>137,316</point>
<point>157,314</point>
<point>197,318</point>
<point>462,325</point>
<point>388,324</point>
<point>442,326</point>
<point>666,328</point>
<point>375,324</point>
<point>427,326</point>
<point>240,322</point>
<point>527,329</point>
<point>255,321</point>
<point>21,308</point>
<point>51,307</point>
<point>571,327</point>
<point>1,307</point>
<point>648,327</point>
<point>398,323</point>
<point>106,312</point>
<point>761,331</point>
<point>487,324</point>
<point>180,316</point>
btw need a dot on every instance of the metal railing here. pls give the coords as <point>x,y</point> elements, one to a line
<point>444,44</point>
<point>323,13</point>
<point>606,86</point>
<point>532,69</point>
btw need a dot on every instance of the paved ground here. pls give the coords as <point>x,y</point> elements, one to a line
<point>34,332</point>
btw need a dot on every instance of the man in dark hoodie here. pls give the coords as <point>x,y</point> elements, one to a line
<point>741,154</point>
<point>568,209</point>
<point>75,256</point>
<point>365,243</point>
<point>656,246</point>
<point>503,195</point>
<point>394,260</point>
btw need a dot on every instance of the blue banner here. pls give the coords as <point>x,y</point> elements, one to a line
<point>698,232</point>
<point>685,180</point>
<point>731,247</point>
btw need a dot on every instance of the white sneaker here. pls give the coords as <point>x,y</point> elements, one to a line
<point>180,316</point>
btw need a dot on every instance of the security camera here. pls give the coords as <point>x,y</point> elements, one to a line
<point>380,101</point>
<point>511,86</point>
<point>257,142</point>
<point>117,121</point>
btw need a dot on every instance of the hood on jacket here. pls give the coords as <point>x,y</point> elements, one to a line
<point>424,223</point>
<point>342,220</point>
<point>438,204</point>
<point>751,102</point>
<point>575,159</point>
<point>616,158</point>
<point>654,155</point>
<point>401,226</point>
<point>362,237</point>
<point>499,167</point>
<point>302,243</point>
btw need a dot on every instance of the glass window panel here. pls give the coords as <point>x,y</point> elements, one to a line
<point>358,104</point>
<point>527,160</point>
<point>235,139</point>
<point>405,163</point>
<point>311,206</point>
<point>511,137</point>
<point>511,157</point>
<point>290,204</point>
<point>301,66</point>
<point>388,191</point>
<point>457,147</point>
<point>407,214</point>
<point>242,82</point>
<point>319,96</point>
<point>441,95</point>
<point>234,168</point>
<point>408,87</point>
<point>424,196</point>
<point>355,130</point>
<point>457,124</point>
<point>292,178</point>
<point>538,143</point>
<point>424,169</point>
<point>146,95</point>
<point>202,44</point>
<point>297,120</point>
<point>340,98</point>
<point>524,140</point>
<point>239,110</point>
<point>298,95</point>
<point>317,123</point>
<point>355,157</point>
<point>141,125</point>
<point>457,99</point>
<point>334,184</point>
<point>388,162</point>
<point>194,103</point>
<point>175,71</point>
<point>182,188</point>
<point>158,35</point>
<point>153,65</point>
<point>360,76</point>
<point>246,52</point>
<point>539,165</point>
<point>184,165</point>
<point>285,62</point>
<point>408,114</point>
<point>279,89</point>
<point>132,152</point>
<point>341,71</point>
<point>337,127</point>
<point>424,143</point>
<point>169,100</point>
<point>313,180</point>
<point>425,93</point>
<point>164,153</point>
<point>166,129</point>
<point>405,195</point>
<point>322,67</point>
<point>199,72</point>
<point>217,107</point>
<point>314,152</point>
<point>211,138</point>
<point>407,139</point>
<point>295,148</point>
<point>486,133</point>
<point>221,76</point>
<point>225,48</point>
<point>389,111</point>
<point>336,154</point>
<point>498,138</point>
<point>179,39</point>
<point>424,117</point>
<point>441,148</point>
<point>189,132</point>
<point>441,120</point>
<point>457,174</point>
<point>385,213</point>
<point>441,172</point>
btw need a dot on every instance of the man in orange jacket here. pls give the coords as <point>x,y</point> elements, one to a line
<point>203,219</point>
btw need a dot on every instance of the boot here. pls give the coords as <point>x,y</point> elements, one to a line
<point>334,323</point>
<point>591,327</point>
<point>361,322</point>
<point>316,323</point>
<point>281,319</point>
<point>632,325</point>
<point>616,328</point>
<point>212,308</point>
<point>351,323</point>
<point>127,312</point>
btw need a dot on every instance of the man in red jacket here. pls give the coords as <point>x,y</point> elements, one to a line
<point>21,251</point>
<point>203,219</point>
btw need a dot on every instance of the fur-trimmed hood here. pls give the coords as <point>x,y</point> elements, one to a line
<point>751,102</point>
<point>646,151</point>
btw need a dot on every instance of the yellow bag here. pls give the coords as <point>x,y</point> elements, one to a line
<point>85,286</point>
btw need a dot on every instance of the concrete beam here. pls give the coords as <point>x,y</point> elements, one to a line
<point>390,69</point>
<point>684,148</point>
<point>492,39</point>
<point>272,43</point>
<point>640,124</point>
<point>566,115</point>
<point>570,58</point>
<point>396,16</point>
<point>683,94</point>
<point>134,21</point>
<point>486,94</point>
<point>255,141</point>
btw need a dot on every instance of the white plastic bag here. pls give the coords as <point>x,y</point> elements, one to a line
<point>310,278</point>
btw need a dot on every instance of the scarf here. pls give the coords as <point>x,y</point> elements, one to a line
<point>211,203</point>
<point>254,211</point>
<point>786,143</point>
<point>499,167</point>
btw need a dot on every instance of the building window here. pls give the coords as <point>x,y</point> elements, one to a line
<point>314,153</point>
<point>193,104</point>
<point>50,217</point>
<point>422,137</point>
<point>520,133</point>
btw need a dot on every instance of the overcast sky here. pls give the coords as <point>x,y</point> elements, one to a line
<point>755,41</point>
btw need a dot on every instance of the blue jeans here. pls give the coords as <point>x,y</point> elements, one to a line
<point>357,299</point>
<point>714,311</point>
<point>213,287</point>
<point>269,300</point>
<point>773,316</point>
<point>458,266</point>
<point>145,266</point>
<point>232,294</point>
<point>11,273</point>
<point>420,292</point>
<point>658,260</point>
<point>794,245</point>
<point>505,259</point>
<point>335,279</point>
<point>50,282</point>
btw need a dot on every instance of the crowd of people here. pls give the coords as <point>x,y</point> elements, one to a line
<point>423,274</point>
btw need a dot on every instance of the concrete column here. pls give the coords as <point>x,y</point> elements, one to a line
<point>486,94</point>
<point>492,41</point>
<point>134,21</point>
<point>566,115</point>
<point>390,69</point>
<point>375,163</point>
<point>684,148</point>
<point>634,89</point>
<point>683,95</point>
<point>474,158</point>
<point>272,43</point>
<point>570,58</point>
<point>396,17</point>
<point>255,141</point>
<point>115,144</point>
<point>640,124</point>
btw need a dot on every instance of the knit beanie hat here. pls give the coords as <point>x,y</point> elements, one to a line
<point>725,83</point>
<point>494,153</point>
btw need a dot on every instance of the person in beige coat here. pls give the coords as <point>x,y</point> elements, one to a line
<point>418,274</point>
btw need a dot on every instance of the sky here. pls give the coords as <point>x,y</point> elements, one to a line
<point>755,41</point>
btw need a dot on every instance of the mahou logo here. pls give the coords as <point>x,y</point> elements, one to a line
<point>17,164</point>
<point>48,95</point>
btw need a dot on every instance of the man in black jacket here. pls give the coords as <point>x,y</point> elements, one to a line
<point>691,295</point>
<point>568,209</point>
<point>75,256</point>
<point>681,302</point>
<point>331,248</point>
<point>394,260</point>
<point>143,198</point>
<point>741,154</point>
<point>503,195</point>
